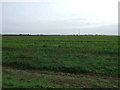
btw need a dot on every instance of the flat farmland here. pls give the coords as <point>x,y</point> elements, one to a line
<point>93,57</point>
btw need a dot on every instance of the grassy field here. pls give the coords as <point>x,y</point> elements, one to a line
<point>95,57</point>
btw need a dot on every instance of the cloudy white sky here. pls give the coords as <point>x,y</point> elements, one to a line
<point>60,17</point>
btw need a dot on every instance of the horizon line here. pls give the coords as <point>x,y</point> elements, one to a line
<point>58,34</point>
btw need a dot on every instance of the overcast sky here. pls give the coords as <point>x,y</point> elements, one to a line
<point>61,17</point>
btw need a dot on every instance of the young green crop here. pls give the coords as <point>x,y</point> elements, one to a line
<point>74,54</point>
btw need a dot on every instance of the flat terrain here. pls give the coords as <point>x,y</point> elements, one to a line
<point>19,78</point>
<point>60,61</point>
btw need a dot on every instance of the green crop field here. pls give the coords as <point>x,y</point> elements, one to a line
<point>64,61</point>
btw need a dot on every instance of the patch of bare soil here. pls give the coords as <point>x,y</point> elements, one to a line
<point>66,79</point>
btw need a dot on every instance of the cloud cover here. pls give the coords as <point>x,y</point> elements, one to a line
<point>60,17</point>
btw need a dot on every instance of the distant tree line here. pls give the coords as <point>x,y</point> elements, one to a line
<point>50,35</point>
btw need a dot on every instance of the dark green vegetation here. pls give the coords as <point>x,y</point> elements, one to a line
<point>93,55</point>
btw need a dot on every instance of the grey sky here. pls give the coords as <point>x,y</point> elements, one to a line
<point>60,17</point>
<point>0,18</point>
